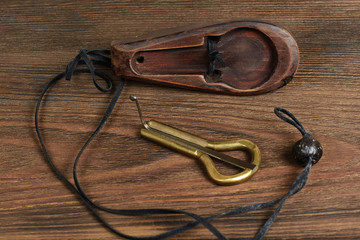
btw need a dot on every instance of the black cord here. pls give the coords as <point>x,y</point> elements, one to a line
<point>101,57</point>
<point>290,118</point>
<point>214,55</point>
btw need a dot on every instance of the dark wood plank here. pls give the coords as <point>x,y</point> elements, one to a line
<point>120,169</point>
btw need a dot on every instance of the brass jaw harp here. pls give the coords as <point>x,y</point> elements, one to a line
<point>203,149</point>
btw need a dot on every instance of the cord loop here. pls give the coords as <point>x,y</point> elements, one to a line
<point>290,118</point>
<point>214,55</point>
<point>98,57</point>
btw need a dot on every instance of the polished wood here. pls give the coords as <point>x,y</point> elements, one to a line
<point>255,57</point>
<point>121,169</point>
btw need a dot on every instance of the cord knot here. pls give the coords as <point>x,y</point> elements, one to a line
<point>90,58</point>
<point>214,55</point>
<point>307,149</point>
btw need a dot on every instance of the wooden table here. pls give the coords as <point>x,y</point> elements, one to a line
<point>122,170</point>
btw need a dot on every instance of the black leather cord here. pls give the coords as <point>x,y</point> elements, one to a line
<point>289,118</point>
<point>101,57</point>
<point>214,55</point>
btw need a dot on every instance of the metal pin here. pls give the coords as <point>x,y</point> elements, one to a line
<point>134,99</point>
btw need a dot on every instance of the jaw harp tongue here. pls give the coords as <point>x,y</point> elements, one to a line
<point>218,155</point>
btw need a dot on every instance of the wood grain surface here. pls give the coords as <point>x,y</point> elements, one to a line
<point>122,170</point>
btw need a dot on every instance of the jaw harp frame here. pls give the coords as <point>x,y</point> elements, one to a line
<point>203,150</point>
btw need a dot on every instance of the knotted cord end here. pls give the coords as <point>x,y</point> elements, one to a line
<point>214,55</point>
<point>306,149</point>
<point>90,58</point>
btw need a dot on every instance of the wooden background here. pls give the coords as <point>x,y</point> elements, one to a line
<point>120,169</point>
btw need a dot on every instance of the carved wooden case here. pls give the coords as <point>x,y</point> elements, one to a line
<point>238,57</point>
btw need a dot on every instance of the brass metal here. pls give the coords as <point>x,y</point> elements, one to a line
<point>202,149</point>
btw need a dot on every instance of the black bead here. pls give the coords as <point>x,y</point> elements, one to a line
<point>305,148</point>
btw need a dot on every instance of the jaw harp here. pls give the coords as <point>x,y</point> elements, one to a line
<point>237,57</point>
<point>204,150</point>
